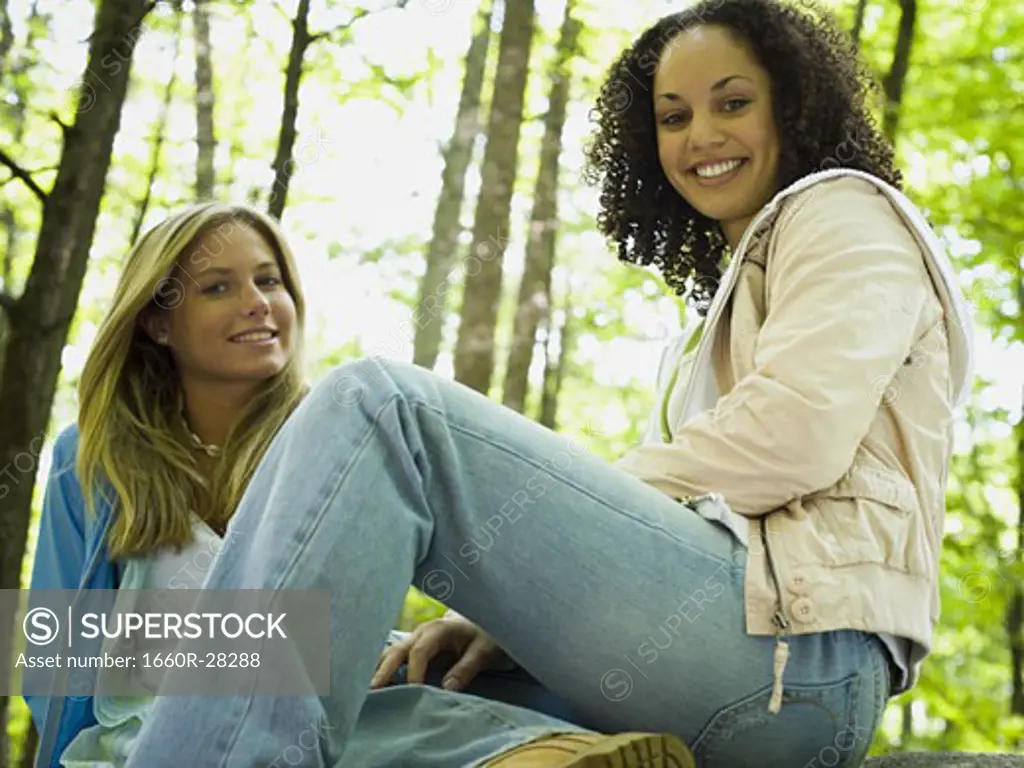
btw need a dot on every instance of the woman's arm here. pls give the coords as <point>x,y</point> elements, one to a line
<point>60,548</point>
<point>846,284</point>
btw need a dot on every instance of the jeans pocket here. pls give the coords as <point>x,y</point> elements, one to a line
<point>816,728</point>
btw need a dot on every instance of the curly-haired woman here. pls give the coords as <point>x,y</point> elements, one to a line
<point>761,574</point>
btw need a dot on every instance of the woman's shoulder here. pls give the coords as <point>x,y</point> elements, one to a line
<point>67,438</point>
<point>65,451</point>
<point>850,206</point>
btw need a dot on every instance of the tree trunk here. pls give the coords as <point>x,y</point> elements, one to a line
<point>1015,614</point>
<point>159,136</point>
<point>554,370</point>
<point>897,77</point>
<point>284,161</point>
<point>236,149</point>
<point>858,22</point>
<point>474,348</point>
<point>206,143</point>
<point>6,36</point>
<point>443,249</point>
<point>7,217</point>
<point>535,288</point>
<point>907,726</point>
<point>40,318</point>
<point>286,138</point>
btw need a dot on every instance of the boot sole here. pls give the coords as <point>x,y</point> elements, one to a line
<point>635,750</point>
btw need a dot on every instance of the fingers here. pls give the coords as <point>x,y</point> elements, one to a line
<point>479,656</point>
<point>419,658</point>
<point>392,658</point>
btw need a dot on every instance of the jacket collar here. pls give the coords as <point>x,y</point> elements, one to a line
<point>959,329</point>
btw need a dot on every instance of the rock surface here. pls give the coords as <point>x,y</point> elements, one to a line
<point>946,760</point>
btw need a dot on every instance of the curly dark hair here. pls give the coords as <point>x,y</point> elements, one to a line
<point>820,95</point>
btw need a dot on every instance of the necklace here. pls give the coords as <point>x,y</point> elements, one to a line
<point>213,451</point>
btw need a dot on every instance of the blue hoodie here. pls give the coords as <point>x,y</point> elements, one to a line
<point>70,554</point>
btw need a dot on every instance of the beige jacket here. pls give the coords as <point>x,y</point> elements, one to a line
<point>819,405</point>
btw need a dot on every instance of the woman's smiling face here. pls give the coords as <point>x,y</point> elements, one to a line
<point>717,139</point>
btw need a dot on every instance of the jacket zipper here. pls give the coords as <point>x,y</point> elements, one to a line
<point>707,327</point>
<point>781,621</point>
<point>781,654</point>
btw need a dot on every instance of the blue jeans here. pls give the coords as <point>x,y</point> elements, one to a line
<point>619,601</point>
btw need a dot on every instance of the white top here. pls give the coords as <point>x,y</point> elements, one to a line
<point>119,718</point>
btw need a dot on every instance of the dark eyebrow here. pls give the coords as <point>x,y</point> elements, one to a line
<point>716,87</point>
<point>229,271</point>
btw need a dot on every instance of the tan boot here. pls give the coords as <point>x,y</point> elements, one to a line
<point>596,750</point>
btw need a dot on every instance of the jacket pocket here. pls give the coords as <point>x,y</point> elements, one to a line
<point>815,728</point>
<point>870,517</point>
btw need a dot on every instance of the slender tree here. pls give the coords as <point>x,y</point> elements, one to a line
<point>535,287</point>
<point>896,79</point>
<point>6,35</point>
<point>474,348</point>
<point>1015,613</point>
<point>441,255</point>
<point>159,137</point>
<point>206,142</point>
<point>18,111</point>
<point>556,366</point>
<point>40,318</point>
<point>283,165</point>
<point>858,21</point>
<point>236,149</point>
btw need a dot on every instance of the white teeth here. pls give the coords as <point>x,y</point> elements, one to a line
<point>718,169</point>
<point>254,336</point>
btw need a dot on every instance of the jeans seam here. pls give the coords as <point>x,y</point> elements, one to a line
<point>337,482</point>
<point>583,491</point>
<point>287,571</point>
<point>877,659</point>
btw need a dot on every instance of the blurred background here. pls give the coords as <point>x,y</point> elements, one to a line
<point>437,208</point>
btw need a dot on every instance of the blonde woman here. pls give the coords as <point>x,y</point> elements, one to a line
<point>195,368</point>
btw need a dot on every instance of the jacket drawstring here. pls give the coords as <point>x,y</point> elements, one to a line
<point>780,656</point>
<point>779,659</point>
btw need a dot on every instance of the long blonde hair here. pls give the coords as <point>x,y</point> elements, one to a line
<point>133,446</point>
